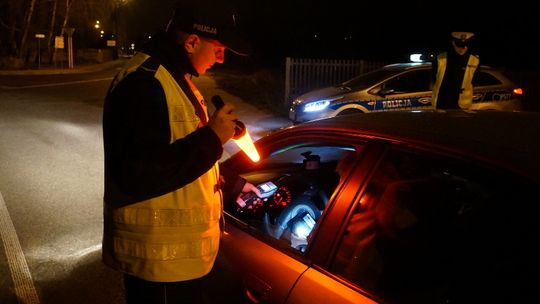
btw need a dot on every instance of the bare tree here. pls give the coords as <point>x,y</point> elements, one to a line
<point>26,27</point>
<point>64,23</point>
<point>66,16</point>
<point>51,30</point>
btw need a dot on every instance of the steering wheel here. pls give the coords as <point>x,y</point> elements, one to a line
<point>294,213</point>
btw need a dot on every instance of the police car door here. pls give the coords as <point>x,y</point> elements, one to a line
<point>408,91</point>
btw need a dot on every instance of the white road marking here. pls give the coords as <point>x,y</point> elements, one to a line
<point>20,273</point>
<point>55,84</point>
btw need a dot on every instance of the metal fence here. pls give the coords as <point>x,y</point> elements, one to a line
<point>303,74</point>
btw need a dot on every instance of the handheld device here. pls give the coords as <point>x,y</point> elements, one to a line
<point>267,189</point>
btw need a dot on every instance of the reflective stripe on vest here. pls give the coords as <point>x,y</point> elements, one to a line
<point>466,92</point>
<point>175,236</point>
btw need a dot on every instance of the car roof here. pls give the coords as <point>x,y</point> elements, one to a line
<point>419,65</point>
<point>406,65</point>
<point>509,139</point>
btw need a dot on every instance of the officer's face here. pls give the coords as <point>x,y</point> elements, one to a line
<point>460,48</point>
<point>205,53</point>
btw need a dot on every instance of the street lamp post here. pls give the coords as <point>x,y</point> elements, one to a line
<point>69,32</point>
<point>39,37</point>
<point>115,47</point>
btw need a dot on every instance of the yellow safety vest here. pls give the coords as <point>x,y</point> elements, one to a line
<point>466,94</point>
<point>173,237</point>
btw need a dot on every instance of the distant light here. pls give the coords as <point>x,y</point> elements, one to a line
<point>149,37</point>
<point>518,91</point>
<point>416,57</point>
<point>102,32</point>
<point>315,36</point>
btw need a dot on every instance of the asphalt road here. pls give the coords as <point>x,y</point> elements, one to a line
<point>51,185</point>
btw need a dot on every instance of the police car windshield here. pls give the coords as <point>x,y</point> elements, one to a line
<point>368,79</point>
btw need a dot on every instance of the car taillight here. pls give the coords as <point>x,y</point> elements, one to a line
<point>518,91</point>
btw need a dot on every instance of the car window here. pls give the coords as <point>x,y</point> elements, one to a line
<point>296,182</point>
<point>411,82</point>
<point>482,78</point>
<point>428,229</point>
<point>368,79</point>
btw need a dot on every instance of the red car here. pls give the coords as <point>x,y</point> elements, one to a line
<point>395,207</point>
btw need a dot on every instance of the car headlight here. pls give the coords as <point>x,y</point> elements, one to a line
<point>315,106</point>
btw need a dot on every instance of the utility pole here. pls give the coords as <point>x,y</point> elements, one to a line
<point>117,5</point>
<point>39,37</point>
<point>69,31</point>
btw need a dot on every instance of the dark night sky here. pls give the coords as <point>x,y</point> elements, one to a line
<point>506,34</point>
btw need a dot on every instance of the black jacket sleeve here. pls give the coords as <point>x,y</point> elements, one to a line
<point>233,184</point>
<point>139,157</point>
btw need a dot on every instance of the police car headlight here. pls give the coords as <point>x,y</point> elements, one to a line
<point>316,105</point>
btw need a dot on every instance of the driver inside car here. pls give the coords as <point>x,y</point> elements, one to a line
<point>300,216</point>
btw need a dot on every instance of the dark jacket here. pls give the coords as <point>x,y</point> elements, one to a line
<point>453,77</point>
<point>140,161</point>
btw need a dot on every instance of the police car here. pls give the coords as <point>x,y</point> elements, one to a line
<point>401,86</point>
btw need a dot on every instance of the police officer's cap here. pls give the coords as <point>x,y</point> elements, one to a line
<point>462,39</point>
<point>210,19</point>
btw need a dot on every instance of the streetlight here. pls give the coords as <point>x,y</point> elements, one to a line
<point>39,37</point>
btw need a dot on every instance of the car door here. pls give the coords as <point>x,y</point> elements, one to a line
<point>265,274</point>
<point>431,227</point>
<point>407,91</point>
<point>269,266</point>
<point>493,91</point>
<point>319,284</point>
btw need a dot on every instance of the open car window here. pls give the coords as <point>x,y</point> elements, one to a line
<point>297,183</point>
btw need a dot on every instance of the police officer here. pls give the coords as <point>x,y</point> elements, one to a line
<point>163,199</point>
<point>453,72</point>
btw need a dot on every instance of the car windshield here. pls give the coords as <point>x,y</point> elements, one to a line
<point>368,79</point>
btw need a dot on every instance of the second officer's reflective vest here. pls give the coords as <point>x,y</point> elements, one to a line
<point>466,92</point>
<point>173,237</point>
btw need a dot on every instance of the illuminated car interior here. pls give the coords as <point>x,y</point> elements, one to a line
<point>296,184</point>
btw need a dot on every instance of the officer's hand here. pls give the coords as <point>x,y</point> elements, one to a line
<point>248,187</point>
<point>223,122</point>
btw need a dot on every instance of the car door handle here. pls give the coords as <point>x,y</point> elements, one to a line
<point>256,289</point>
<point>477,96</point>
<point>424,100</point>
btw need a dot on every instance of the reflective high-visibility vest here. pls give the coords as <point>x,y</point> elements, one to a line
<point>173,237</point>
<point>466,92</point>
